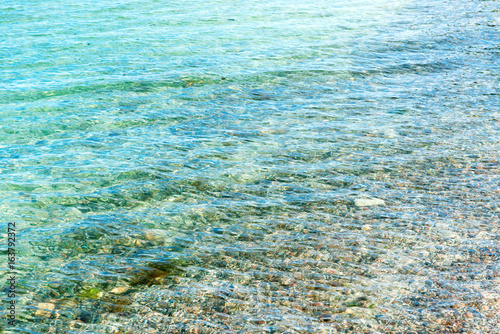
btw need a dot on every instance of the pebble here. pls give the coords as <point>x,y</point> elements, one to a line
<point>368,202</point>
<point>44,309</point>
<point>119,290</point>
<point>390,133</point>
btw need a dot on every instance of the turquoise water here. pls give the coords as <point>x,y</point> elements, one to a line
<point>197,167</point>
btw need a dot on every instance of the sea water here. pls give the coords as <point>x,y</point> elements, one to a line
<point>251,166</point>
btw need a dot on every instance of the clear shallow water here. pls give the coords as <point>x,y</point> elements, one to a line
<point>193,167</point>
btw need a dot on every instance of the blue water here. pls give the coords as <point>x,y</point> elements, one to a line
<point>199,166</point>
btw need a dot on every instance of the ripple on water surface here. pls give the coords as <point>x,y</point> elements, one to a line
<point>252,167</point>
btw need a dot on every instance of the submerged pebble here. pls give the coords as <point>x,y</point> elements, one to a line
<point>45,309</point>
<point>368,202</point>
